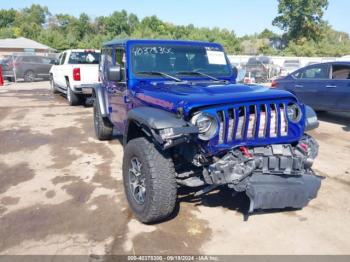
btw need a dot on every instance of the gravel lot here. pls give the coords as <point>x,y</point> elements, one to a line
<point>61,193</point>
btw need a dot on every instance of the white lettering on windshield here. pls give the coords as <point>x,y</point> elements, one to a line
<point>138,51</point>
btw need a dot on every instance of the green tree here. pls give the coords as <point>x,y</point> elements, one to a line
<point>30,20</point>
<point>267,34</point>
<point>7,17</point>
<point>301,19</point>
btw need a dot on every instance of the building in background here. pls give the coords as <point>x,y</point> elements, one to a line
<point>9,46</point>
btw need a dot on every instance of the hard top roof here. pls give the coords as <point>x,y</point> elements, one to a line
<point>123,42</point>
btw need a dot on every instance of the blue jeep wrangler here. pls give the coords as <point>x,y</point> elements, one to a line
<point>185,122</point>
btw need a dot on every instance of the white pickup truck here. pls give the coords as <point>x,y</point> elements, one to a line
<point>75,73</point>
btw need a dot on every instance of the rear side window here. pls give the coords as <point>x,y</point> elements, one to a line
<point>106,58</point>
<point>28,59</point>
<point>84,58</point>
<point>37,59</point>
<point>341,72</point>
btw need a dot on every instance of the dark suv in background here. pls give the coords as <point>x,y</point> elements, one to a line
<point>261,68</point>
<point>27,67</point>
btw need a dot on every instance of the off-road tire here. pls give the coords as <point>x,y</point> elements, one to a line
<point>29,76</point>
<point>160,181</point>
<point>53,86</point>
<point>73,98</point>
<point>103,129</point>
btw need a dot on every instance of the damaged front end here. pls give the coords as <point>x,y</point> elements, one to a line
<point>273,177</point>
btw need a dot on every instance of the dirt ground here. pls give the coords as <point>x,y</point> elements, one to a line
<point>61,193</point>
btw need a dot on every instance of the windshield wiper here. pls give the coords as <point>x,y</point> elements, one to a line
<point>157,73</point>
<point>198,74</point>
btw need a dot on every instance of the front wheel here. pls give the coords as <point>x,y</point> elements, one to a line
<point>149,181</point>
<point>29,76</point>
<point>53,86</point>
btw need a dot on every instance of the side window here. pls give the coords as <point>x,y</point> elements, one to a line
<point>106,58</point>
<point>120,59</point>
<point>46,61</point>
<point>59,58</point>
<point>63,58</point>
<point>298,74</point>
<point>316,72</point>
<point>37,60</point>
<point>27,59</point>
<point>341,72</point>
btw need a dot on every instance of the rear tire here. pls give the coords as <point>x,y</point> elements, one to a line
<point>73,98</point>
<point>103,129</point>
<point>151,190</point>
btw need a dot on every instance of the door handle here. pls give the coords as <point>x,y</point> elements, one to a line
<point>298,86</point>
<point>330,86</point>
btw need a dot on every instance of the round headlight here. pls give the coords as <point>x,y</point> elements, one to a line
<point>207,125</point>
<point>294,113</point>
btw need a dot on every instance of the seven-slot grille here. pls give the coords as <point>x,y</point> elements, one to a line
<point>252,122</point>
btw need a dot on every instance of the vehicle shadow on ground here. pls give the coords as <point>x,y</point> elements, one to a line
<point>223,197</point>
<point>336,118</point>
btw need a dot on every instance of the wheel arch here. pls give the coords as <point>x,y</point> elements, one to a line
<point>100,96</point>
<point>149,122</point>
<point>134,129</point>
<point>28,70</point>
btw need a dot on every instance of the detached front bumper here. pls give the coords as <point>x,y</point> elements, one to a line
<point>277,192</point>
<point>273,177</point>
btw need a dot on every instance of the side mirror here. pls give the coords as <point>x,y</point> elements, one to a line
<point>55,62</point>
<point>114,73</point>
<point>235,71</point>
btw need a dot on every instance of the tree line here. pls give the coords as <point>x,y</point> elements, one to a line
<point>306,34</point>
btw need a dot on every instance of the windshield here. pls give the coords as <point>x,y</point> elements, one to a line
<point>84,58</point>
<point>258,61</point>
<point>291,65</point>
<point>180,60</point>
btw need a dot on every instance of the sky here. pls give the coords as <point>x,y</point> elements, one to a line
<point>241,16</point>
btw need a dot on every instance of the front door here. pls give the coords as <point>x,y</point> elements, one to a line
<point>117,91</point>
<point>338,89</point>
<point>57,71</point>
<point>310,85</point>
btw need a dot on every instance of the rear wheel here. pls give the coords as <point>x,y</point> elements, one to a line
<point>29,76</point>
<point>73,98</point>
<point>149,181</point>
<point>103,129</point>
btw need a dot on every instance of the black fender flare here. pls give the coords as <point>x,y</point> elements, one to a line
<point>153,121</point>
<point>100,94</point>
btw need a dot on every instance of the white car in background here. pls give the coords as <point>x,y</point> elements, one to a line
<point>344,58</point>
<point>75,73</point>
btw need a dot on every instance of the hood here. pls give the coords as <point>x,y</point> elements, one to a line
<point>172,96</point>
